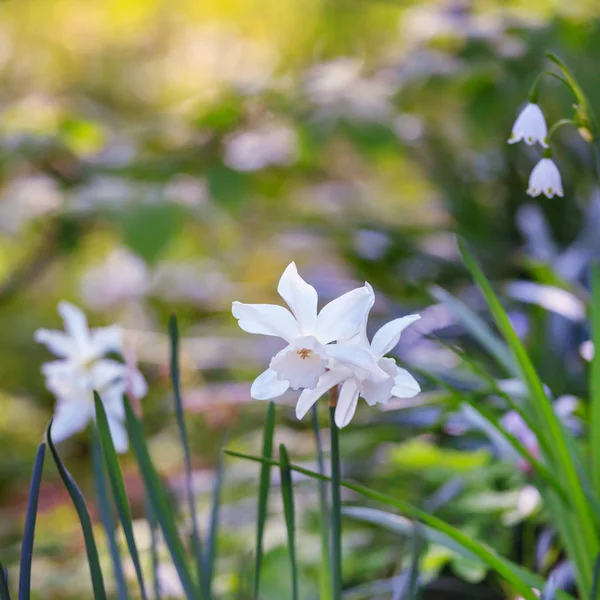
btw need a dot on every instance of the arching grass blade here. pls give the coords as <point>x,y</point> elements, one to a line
<point>27,546</point>
<point>176,383</point>
<point>84,519</point>
<point>117,485</point>
<point>263,494</point>
<point>106,515</point>
<point>159,502</point>
<point>287,494</point>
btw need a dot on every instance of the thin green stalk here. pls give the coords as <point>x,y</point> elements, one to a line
<point>287,494</point>
<point>4,592</point>
<point>336,503</point>
<point>176,383</point>
<point>325,567</point>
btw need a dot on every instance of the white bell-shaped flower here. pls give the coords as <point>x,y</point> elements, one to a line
<point>545,179</point>
<point>530,127</point>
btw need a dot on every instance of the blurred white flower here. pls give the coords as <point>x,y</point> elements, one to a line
<point>123,276</point>
<point>338,87</point>
<point>545,178</point>
<point>398,382</point>
<point>256,149</point>
<point>309,336</point>
<point>27,198</point>
<point>530,126</point>
<point>83,368</point>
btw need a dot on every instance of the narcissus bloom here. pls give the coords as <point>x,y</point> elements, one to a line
<point>309,335</point>
<point>83,368</point>
<point>545,178</point>
<point>530,126</point>
<point>398,382</point>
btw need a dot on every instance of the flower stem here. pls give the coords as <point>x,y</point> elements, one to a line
<point>336,501</point>
<point>557,125</point>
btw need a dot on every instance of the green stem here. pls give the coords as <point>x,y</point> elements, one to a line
<point>325,571</point>
<point>336,502</point>
<point>557,125</point>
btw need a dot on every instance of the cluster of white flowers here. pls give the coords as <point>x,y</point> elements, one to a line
<point>82,368</point>
<point>327,349</point>
<point>530,127</point>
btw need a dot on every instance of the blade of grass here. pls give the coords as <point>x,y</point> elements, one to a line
<point>106,515</point>
<point>595,383</point>
<point>28,535</point>
<point>336,504</point>
<point>159,502</point>
<point>176,383</point>
<point>512,573</point>
<point>84,519</point>
<point>596,582</point>
<point>263,494</point>
<point>477,327</point>
<point>287,494</point>
<point>152,525</point>
<point>561,459</point>
<point>325,565</point>
<point>211,546</point>
<point>4,591</point>
<point>413,591</point>
<point>115,477</point>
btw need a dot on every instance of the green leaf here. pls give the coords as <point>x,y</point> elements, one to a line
<point>152,525</point>
<point>263,494</point>
<point>159,502</point>
<point>106,515</point>
<point>28,535</point>
<point>4,591</point>
<point>477,327</point>
<point>149,228</point>
<point>596,581</point>
<point>520,579</point>
<point>595,383</point>
<point>176,382</point>
<point>84,519</point>
<point>547,425</point>
<point>111,460</point>
<point>325,564</point>
<point>287,494</point>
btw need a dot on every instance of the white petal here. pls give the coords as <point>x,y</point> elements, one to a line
<point>106,371</point>
<point>76,324</point>
<point>118,434</point>
<point>326,382</point>
<point>136,383</point>
<point>107,339</point>
<point>405,385</point>
<point>530,126</point>
<point>267,385</point>
<point>343,317</point>
<point>347,402</point>
<point>57,342</point>
<point>359,359</point>
<point>69,418</point>
<point>301,297</point>
<point>545,178</point>
<point>268,319</point>
<point>389,335</point>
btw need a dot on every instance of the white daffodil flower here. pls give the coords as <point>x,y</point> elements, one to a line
<point>398,382</point>
<point>545,178</point>
<point>82,369</point>
<point>530,126</point>
<point>309,335</point>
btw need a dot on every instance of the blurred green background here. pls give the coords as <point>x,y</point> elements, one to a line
<point>160,157</point>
